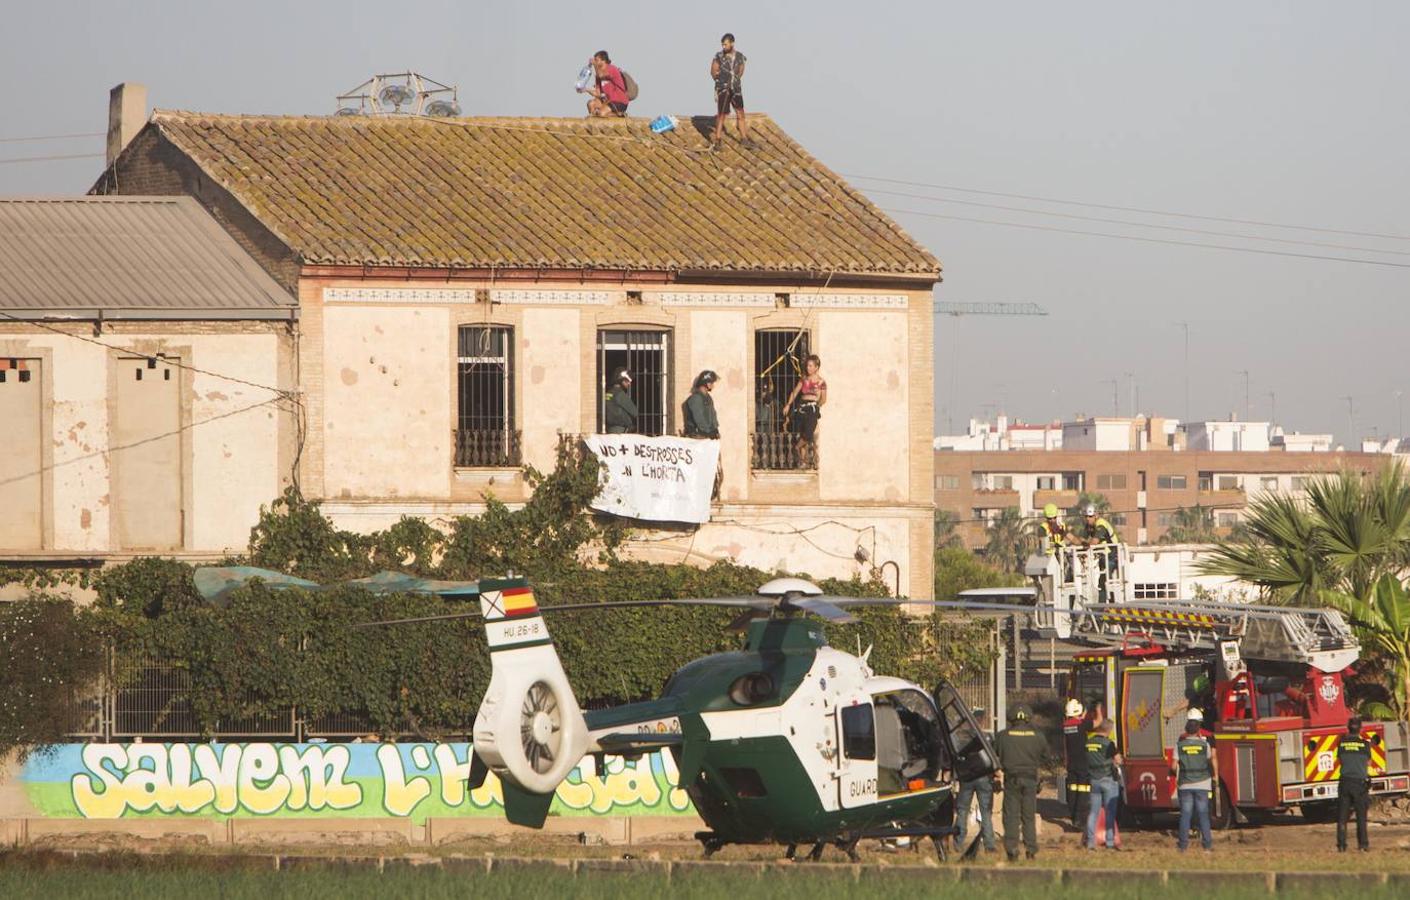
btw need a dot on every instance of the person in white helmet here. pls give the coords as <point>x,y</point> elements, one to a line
<point>1077,785</point>
<point>1098,532</point>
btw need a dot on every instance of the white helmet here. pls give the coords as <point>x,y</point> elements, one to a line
<point>1194,715</point>
<point>1074,708</point>
<point>1090,510</point>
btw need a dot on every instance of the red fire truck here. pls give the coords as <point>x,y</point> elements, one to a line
<point>1269,680</point>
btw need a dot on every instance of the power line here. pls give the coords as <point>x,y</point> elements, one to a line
<point>1135,209</point>
<point>281,392</point>
<point>52,137</point>
<point>1152,240</point>
<point>1180,228</point>
<point>29,159</point>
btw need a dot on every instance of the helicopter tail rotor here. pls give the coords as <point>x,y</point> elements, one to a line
<point>530,731</point>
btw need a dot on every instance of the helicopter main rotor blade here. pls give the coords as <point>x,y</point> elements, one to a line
<point>819,606</point>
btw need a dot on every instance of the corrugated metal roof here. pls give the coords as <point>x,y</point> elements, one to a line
<point>555,193</point>
<point>139,255</point>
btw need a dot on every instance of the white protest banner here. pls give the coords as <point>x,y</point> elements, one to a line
<point>661,479</point>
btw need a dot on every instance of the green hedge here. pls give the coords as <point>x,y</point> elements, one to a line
<point>267,650</point>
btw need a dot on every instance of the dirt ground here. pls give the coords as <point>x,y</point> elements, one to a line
<point>1282,843</point>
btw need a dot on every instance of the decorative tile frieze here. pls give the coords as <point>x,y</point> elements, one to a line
<point>687,298</point>
<point>398,295</point>
<point>510,297</point>
<point>802,300</point>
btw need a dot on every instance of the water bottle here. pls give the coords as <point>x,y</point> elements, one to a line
<point>585,78</point>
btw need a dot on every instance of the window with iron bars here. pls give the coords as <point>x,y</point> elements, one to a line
<point>646,355</point>
<point>778,367</point>
<point>485,436</point>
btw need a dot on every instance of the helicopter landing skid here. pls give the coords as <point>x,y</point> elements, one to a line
<point>711,842</point>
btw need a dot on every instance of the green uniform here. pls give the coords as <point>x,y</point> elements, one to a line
<point>1354,789</point>
<point>621,411</point>
<point>1100,751</point>
<point>1020,750</point>
<point>1192,754</point>
<point>700,418</point>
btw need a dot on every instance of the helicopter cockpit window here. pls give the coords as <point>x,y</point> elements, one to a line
<point>910,752</point>
<point>858,732</point>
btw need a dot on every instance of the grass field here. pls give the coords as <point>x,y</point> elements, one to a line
<point>175,881</point>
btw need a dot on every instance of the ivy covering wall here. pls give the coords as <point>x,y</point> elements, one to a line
<point>264,650</point>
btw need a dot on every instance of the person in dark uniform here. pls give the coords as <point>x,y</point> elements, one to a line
<point>1197,778</point>
<point>621,410</point>
<point>1102,760</point>
<point>1354,789</point>
<point>1020,749</point>
<point>700,418</point>
<point>1074,744</point>
<point>976,787</point>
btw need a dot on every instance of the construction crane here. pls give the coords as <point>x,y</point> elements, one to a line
<point>951,308</point>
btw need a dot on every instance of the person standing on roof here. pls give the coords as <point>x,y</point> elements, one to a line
<point>1197,772</point>
<point>1353,788</point>
<point>700,418</point>
<point>1102,760</point>
<point>727,68</point>
<point>609,97</point>
<point>619,409</point>
<point>1020,749</point>
<point>1078,785</point>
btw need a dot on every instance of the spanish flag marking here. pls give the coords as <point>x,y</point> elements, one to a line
<point>519,601</point>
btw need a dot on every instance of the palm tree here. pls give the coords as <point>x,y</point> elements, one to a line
<point>1347,534</point>
<point>1191,525</point>
<point>1382,622</point>
<point>1011,539</point>
<point>947,533</point>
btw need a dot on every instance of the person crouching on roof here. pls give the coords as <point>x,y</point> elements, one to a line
<point>609,97</point>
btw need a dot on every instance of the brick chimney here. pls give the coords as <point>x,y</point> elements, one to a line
<point>127,113</point>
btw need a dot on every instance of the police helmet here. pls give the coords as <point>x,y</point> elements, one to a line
<point>1020,713</point>
<point>706,377</point>
<point>622,375</point>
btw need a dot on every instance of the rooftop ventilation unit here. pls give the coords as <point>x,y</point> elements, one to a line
<point>399,94</point>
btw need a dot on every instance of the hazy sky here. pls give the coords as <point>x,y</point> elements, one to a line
<point>1279,112</point>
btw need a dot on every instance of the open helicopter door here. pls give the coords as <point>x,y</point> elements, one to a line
<point>856,761</point>
<point>530,731</point>
<point>970,746</point>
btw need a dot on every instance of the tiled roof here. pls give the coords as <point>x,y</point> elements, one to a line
<point>139,255</point>
<point>553,193</point>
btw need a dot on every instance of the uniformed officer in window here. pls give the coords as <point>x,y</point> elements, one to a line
<point>621,410</point>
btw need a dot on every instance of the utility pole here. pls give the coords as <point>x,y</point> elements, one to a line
<point>1131,381</point>
<point>1400,415</point>
<point>1350,419</point>
<point>1244,373</point>
<point>1272,408</point>
<point>1186,326</point>
<point>1115,397</point>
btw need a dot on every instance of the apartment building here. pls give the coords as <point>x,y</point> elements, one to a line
<point>1138,466</point>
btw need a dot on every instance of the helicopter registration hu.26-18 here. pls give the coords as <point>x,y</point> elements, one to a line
<point>786,741</point>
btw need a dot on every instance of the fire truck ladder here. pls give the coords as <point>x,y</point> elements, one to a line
<point>1316,637</point>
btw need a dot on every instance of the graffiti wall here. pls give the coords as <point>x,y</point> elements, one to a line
<point>106,781</point>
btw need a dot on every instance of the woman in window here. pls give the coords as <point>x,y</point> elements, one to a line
<point>805,408</point>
